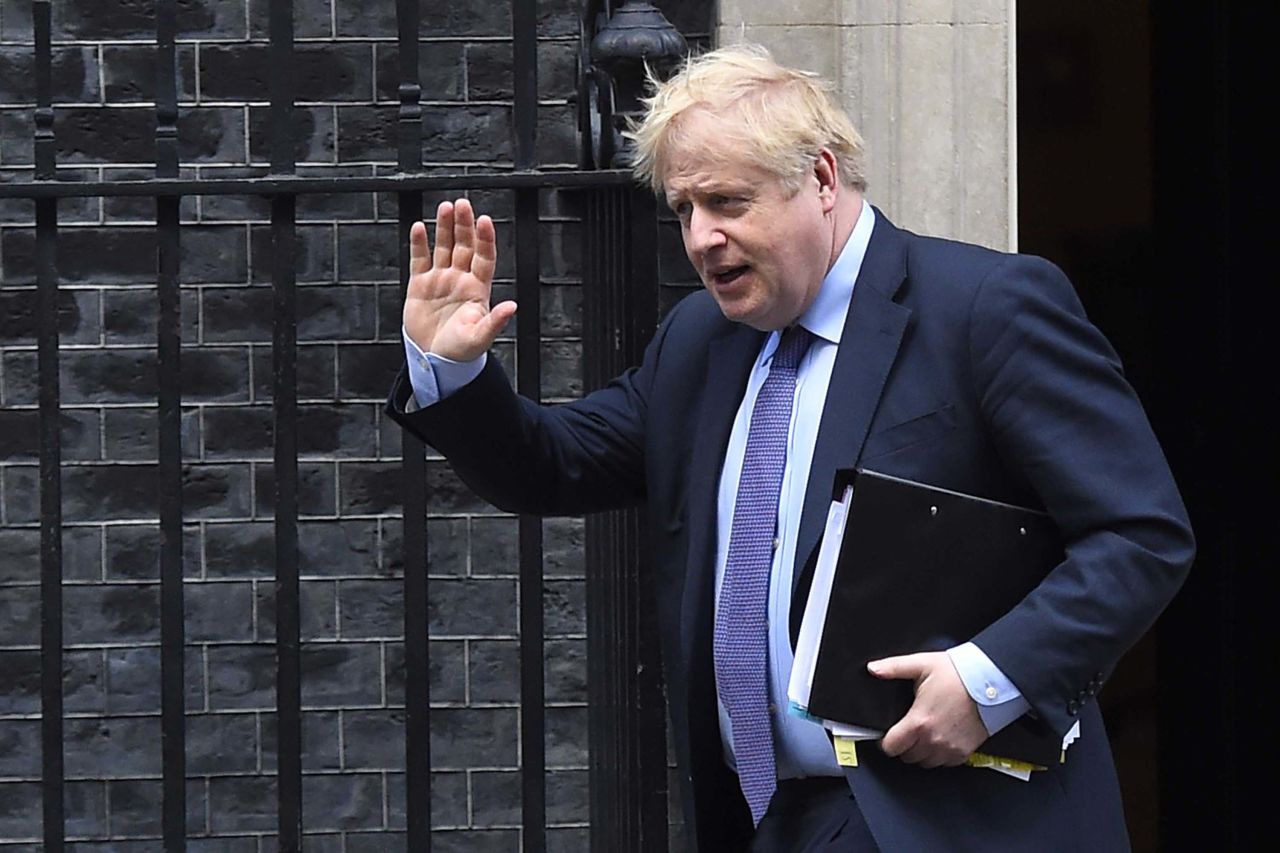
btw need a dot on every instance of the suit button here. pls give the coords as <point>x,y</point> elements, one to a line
<point>1073,707</point>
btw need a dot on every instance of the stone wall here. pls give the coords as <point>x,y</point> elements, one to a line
<point>349,349</point>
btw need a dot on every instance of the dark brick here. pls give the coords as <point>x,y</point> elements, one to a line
<point>480,133</point>
<point>563,541</point>
<point>105,134</point>
<point>315,489</point>
<point>221,743</point>
<point>495,797</point>
<point>482,19</point>
<point>320,741</point>
<point>448,494</point>
<point>561,370</point>
<point>564,605</point>
<point>133,551</point>
<point>378,841</point>
<point>373,608</point>
<point>242,803</point>
<point>82,553</point>
<point>129,73</point>
<point>440,71</point>
<point>215,491</point>
<point>218,612</point>
<point>561,310</point>
<point>449,807</point>
<point>126,255</point>
<point>77,309</point>
<point>313,253</point>
<point>321,72</point>
<point>467,737</point>
<point>566,737</point>
<point>557,142</point>
<point>348,801</point>
<point>20,675</point>
<point>20,805</point>
<point>16,134</point>
<point>337,313</point>
<point>132,434</point>
<point>311,19</point>
<point>476,841</point>
<point>238,433</point>
<point>373,740</point>
<point>494,670</point>
<point>312,130</point>
<point>19,616</point>
<point>495,548</point>
<point>125,19</point>
<point>326,207</point>
<point>557,18</point>
<point>472,607</point>
<point>565,669</point>
<point>237,314</point>
<point>489,70</point>
<point>74,73</point>
<point>136,806</point>
<point>84,682</point>
<point>390,313</point>
<point>20,553</point>
<point>140,208</point>
<point>369,488</point>
<point>315,372</point>
<point>111,613</point>
<point>215,374</point>
<point>108,376</point>
<point>113,746</point>
<point>317,603</point>
<point>242,677</point>
<point>341,675</point>
<point>20,748</point>
<point>130,316</point>
<point>338,548</point>
<point>21,494</point>
<point>239,550</point>
<point>86,804</point>
<point>20,435</point>
<point>368,253</point>
<point>446,673</point>
<point>237,208</point>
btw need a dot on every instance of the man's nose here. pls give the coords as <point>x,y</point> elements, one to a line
<point>704,232</point>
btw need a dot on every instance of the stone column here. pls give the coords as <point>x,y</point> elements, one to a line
<point>931,86</point>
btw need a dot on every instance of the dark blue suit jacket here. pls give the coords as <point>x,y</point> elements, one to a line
<point>969,369</point>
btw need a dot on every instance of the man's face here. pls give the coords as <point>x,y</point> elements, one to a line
<point>761,249</point>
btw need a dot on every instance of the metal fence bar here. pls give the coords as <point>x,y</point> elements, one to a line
<point>173,736</point>
<point>273,185</point>
<point>417,661</point>
<point>51,737</point>
<point>533,792</point>
<point>285,410</point>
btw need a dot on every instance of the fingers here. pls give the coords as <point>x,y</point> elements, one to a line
<point>443,254</point>
<point>902,666</point>
<point>464,235</point>
<point>419,251</point>
<point>486,250</point>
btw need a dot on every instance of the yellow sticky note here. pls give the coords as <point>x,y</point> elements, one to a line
<point>846,751</point>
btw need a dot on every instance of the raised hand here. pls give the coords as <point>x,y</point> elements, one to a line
<point>446,310</point>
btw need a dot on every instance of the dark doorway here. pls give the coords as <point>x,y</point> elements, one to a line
<point>1141,173</point>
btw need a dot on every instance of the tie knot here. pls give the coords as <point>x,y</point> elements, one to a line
<point>795,342</point>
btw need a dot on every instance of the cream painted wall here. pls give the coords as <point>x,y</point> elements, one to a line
<point>929,84</point>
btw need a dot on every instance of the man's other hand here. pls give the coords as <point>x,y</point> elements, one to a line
<point>942,728</point>
<point>447,310</point>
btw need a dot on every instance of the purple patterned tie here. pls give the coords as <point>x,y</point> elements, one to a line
<point>741,630</point>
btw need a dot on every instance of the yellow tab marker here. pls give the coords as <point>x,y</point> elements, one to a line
<point>846,751</point>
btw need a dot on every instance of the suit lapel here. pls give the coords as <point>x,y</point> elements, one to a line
<point>730,356</point>
<point>868,346</point>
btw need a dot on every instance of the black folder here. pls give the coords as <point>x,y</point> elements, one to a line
<point>922,568</point>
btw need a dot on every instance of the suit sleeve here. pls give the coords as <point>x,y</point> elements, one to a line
<point>1062,414</point>
<point>569,459</point>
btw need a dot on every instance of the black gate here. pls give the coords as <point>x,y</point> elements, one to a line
<point>628,763</point>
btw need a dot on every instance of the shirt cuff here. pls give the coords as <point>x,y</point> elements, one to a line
<point>999,702</point>
<point>434,377</point>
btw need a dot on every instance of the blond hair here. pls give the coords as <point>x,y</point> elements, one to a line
<point>775,117</point>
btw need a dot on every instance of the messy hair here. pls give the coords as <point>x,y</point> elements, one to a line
<point>776,117</point>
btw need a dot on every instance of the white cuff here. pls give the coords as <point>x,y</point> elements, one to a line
<point>434,377</point>
<point>999,701</point>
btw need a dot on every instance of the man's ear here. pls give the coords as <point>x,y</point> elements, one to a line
<point>827,172</point>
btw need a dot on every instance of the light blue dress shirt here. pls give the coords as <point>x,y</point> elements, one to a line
<point>802,747</point>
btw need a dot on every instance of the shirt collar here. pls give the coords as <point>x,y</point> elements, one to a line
<point>825,317</point>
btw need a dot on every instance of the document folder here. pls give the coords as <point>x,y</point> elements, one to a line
<point>922,568</point>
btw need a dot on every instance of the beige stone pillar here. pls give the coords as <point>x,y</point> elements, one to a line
<point>930,85</point>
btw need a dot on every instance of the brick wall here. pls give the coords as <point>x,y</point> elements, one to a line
<point>348,332</point>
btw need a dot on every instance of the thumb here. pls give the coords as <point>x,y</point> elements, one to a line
<point>498,315</point>
<point>900,666</point>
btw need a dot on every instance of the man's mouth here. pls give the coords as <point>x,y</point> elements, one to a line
<point>729,276</point>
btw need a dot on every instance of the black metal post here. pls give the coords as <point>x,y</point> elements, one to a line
<point>417,698</point>
<point>529,382</point>
<point>51,739</point>
<point>285,461</point>
<point>168,365</point>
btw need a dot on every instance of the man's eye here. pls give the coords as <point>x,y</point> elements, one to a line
<point>682,209</point>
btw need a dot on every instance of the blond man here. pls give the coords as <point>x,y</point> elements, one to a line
<point>827,338</point>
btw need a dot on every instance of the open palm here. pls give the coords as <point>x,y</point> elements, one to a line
<point>446,309</point>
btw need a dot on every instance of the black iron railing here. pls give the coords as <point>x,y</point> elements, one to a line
<point>627,733</point>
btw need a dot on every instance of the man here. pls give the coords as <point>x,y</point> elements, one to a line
<point>827,338</point>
